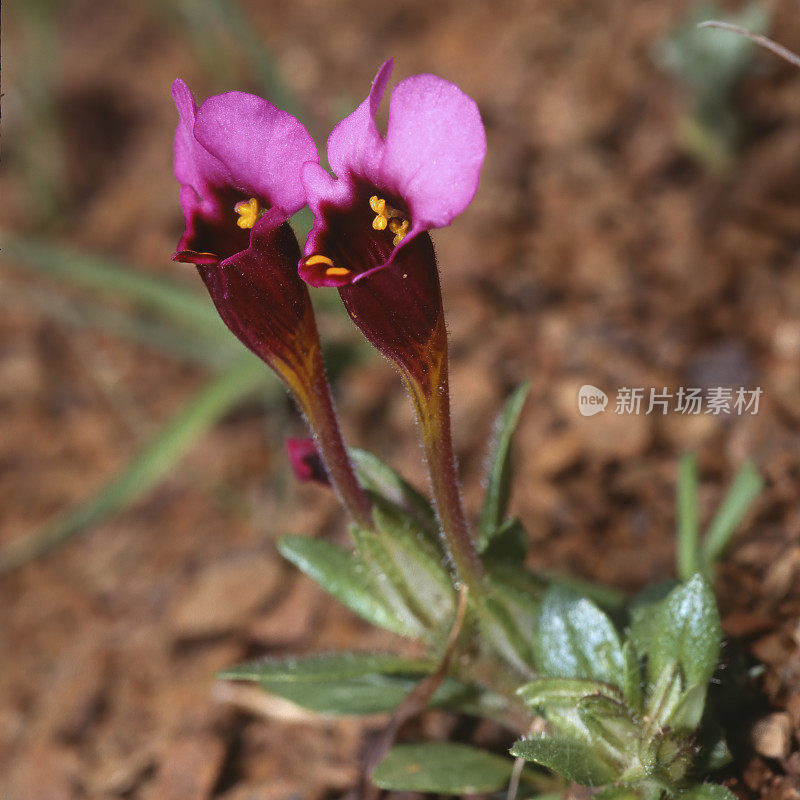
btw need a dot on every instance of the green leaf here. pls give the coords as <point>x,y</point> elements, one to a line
<point>417,565</point>
<point>333,667</point>
<point>389,581</point>
<point>688,519</point>
<point>663,699</point>
<point>442,768</point>
<point>379,478</point>
<point>515,604</point>
<point>571,759</point>
<point>688,712</point>
<point>685,628</point>
<point>715,753</point>
<point>343,575</point>
<point>556,692</point>
<point>745,488</point>
<point>577,640</point>
<point>621,792</point>
<point>610,723</point>
<point>707,791</point>
<point>632,684</point>
<point>508,546</point>
<point>369,694</point>
<point>375,693</point>
<point>499,474</point>
<point>500,628</point>
<point>149,465</point>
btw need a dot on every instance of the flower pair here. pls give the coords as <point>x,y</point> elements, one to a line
<point>245,167</point>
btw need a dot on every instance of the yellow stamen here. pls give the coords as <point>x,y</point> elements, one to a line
<point>249,212</point>
<point>312,261</point>
<point>399,229</point>
<point>386,216</point>
<point>331,271</point>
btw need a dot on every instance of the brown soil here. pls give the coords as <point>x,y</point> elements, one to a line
<point>595,253</point>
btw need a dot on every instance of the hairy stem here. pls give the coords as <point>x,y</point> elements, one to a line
<point>431,397</point>
<point>317,404</point>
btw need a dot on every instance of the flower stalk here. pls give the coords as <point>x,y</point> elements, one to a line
<point>431,399</point>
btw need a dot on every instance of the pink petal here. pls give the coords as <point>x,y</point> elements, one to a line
<point>435,146</point>
<point>355,145</point>
<point>194,165</point>
<point>306,462</point>
<point>262,147</point>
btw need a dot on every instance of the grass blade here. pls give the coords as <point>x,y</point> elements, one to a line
<point>148,466</point>
<point>688,520</point>
<point>498,478</point>
<point>121,280</point>
<point>745,488</point>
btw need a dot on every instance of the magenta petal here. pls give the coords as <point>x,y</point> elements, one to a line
<point>434,150</point>
<point>194,166</point>
<point>355,145</point>
<point>263,147</point>
<point>306,462</point>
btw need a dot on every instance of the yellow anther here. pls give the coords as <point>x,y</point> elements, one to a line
<point>386,216</point>
<point>249,212</point>
<point>331,270</point>
<point>399,229</point>
<point>312,261</point>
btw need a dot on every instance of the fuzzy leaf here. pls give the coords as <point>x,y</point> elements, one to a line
<point>503,629</point>
<point>571,759</point>
<point>707,791</point>
<point>688,712</point>
<point>375,693</point>
<point>369,694</point>
<point>333,667</point>
<point>684,628</point>
<point>609,722</point>
<point>664,696</point>
<point>418,565</point>
<point>621,792</point>
<point>557,692</point>
<point>379,478</point>
<point>443,768</point>
<point>498,480</point>
<point>632,684</point>
<point>577,640</point>
<point>341,574</point>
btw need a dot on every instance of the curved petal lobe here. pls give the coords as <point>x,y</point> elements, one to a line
<point>194,165</point>
<point>435,146</point>
<point>355,145</point>
<point>263,147</point>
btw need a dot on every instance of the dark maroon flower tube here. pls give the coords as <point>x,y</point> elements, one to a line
<point>238,161</point>
<point>370,240</point>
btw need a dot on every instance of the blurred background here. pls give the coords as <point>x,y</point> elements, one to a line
<point>637,225</point>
